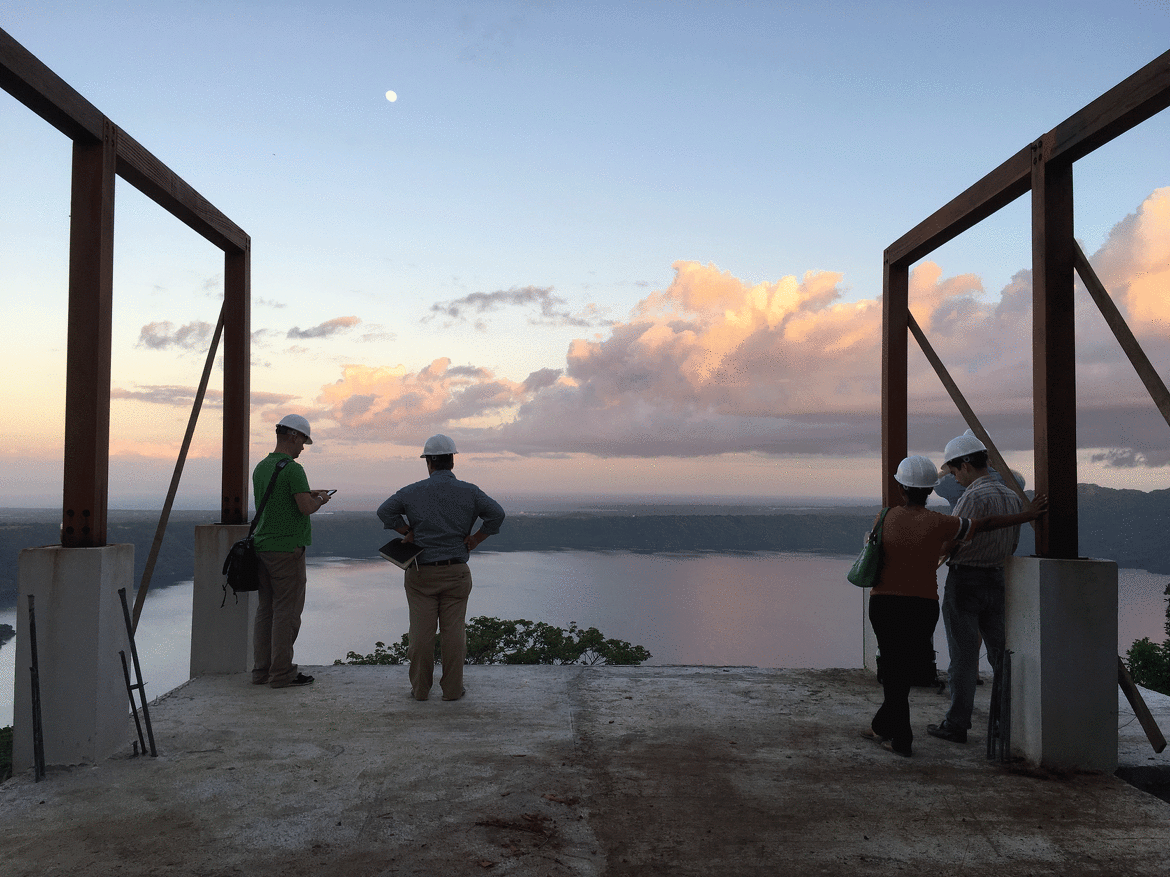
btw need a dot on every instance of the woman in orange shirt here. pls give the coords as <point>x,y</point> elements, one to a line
<point>903,605</point>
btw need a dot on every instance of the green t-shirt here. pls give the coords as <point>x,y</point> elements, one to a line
<point>282,526</point>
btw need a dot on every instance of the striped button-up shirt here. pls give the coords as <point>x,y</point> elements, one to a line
<point>984,497</point>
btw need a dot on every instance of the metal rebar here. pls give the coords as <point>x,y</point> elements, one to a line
<point>1005,720</point>
<point>141,686</point>
<point>139,744</point>
<point>38,728</point>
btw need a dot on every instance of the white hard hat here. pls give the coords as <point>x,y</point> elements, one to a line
<point>916,471</point>
<point>962,445</point>
<point>295,421</point>
<point>437,446</point>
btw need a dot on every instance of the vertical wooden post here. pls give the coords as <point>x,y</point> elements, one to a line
<point>90,327</point>
<point>895,315</point>
<point>1053,351</point>
<point>237,355</point>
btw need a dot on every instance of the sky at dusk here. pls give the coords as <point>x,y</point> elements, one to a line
<point>614,248</point>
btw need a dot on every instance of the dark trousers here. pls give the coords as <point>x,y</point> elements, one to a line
<point>904,627</point>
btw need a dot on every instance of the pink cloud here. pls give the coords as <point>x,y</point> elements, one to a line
<point>712,364</point>
<point>1134,265</point>
<point>391,404</point>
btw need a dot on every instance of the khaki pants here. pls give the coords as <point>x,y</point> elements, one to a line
<point>437,595</point>
<point>278,616</point>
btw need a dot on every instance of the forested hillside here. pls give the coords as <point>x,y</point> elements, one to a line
<point>1126,526</point>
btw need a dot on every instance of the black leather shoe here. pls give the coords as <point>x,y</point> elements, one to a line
<point>947,731</point>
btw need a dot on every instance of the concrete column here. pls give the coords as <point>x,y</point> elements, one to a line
<point>221,638</point>
<point>1062,631</point>
<point>80,627</point>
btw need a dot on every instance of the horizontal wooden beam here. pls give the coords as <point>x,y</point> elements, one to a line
<point>28,80</point>
<point>996,190</point>
<point>156,181</point>
<point>1126,105</point>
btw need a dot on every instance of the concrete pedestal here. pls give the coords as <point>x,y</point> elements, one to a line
<point>221,638</point>
<point>1062,631</point>
<point>80,628</point>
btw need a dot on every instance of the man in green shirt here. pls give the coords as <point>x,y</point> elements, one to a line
<point>281,536</point>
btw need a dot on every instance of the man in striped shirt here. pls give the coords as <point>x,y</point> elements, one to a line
<point>973,604</point>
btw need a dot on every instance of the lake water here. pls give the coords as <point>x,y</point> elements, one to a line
<point>761,609</point>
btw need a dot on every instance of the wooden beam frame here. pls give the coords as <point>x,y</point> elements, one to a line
<point>90,326</point>
<point>1054,384</point>
<point>101,151</point>
<point>1044,167</point>
<point>1125,106</point>
<point>28,80</point>
<point>237,386</point>
<point>895,374</point>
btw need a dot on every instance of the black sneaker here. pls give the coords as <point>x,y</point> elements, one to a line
<point>301,679</point>
<point>947,731</point>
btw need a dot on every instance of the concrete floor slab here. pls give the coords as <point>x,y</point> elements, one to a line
<point>573,771</point>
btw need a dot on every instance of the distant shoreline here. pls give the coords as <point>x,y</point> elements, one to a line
<point>349,534</point>
<point>1126,526</point>
<point>525,506</point>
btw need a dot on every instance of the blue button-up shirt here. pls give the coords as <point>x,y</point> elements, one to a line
<point>441,510</point>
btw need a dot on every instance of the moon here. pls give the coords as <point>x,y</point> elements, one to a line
<point>391,96</point>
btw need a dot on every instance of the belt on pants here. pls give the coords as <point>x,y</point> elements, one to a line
<point>449,562</point>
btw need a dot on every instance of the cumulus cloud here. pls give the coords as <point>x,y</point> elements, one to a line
<point>1114,410</point>
<point>713,364</point>
<point>391,403</point>
<point>551,309</point>
<point>324,330</point>
<point>160,336</point>
<point>1134,264</point>
<point>710,365</point>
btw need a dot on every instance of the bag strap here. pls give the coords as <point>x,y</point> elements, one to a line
<point>268,493</point>
<point>876,533</point>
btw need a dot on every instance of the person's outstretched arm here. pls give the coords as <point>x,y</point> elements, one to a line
<point>1037,507</point>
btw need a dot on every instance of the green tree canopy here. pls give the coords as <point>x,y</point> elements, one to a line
<point>495,641</point>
